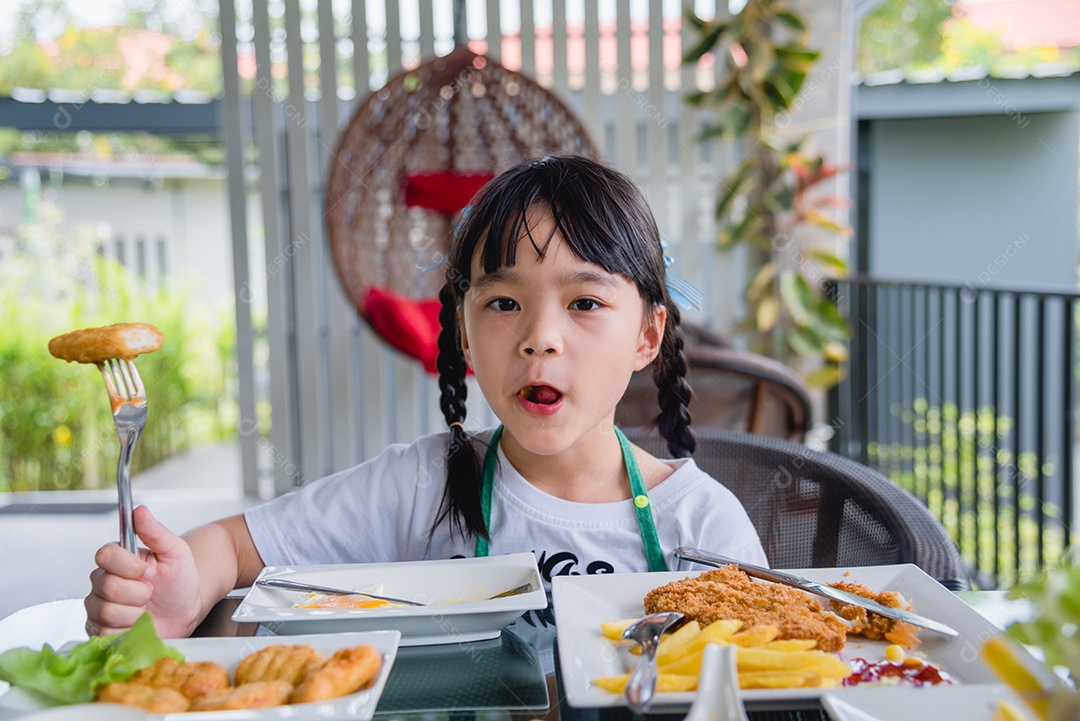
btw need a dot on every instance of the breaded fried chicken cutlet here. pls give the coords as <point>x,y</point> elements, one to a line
<point>729,593</point>
<point>871,625</point>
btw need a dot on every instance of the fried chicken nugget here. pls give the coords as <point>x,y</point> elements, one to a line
<point>148,698</point>
<point>346,672</point>
<point>261,694</point>
<point>279,663</point>
<point>193,679</point>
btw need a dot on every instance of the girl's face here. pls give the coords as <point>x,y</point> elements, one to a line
<point>553,341</point>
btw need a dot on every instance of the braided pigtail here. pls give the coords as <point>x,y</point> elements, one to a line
<point>673,390</point>
<point>464,473</point>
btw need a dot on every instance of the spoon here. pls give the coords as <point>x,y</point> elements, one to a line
<point>647,632</point>
<point>718,697</point>
<point>299,586</point>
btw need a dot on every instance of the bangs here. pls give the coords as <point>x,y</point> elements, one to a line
<point>601,217</point>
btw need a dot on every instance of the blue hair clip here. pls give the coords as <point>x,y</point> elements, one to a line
<point>464,214</point>
<point>680,289</point>
<point>433,266</point>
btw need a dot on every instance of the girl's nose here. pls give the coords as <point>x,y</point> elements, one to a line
<point>541,336</point>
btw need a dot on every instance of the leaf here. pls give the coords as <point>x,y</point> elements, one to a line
<point>75,676</point>
<point>768,311</point>
<point>826,376</point>
<point>796,295</point>
<point>748,229</point>
<point>761,280</point>
<point>795,80</point>
<point>812,216</point>
<point>836,352</point>
<point>797,55</point>
<point>792,20</point>
<point>697,22</point>
<point>784,198</point>
<point>737,120</point>
<point>776,96</point>
<point>830,260</point>
<point>805,343</point>
<point>707,42</point>
<point>733,187</point>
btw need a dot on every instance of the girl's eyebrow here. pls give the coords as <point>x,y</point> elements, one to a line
<point>581,277</point>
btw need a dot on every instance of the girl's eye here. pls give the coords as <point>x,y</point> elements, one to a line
<point>503,304</point>
<point>584,304</point>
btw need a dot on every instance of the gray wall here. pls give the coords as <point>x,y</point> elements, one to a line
<point>984,199</point>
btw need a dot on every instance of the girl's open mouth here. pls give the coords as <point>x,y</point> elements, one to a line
<point>540,397</point>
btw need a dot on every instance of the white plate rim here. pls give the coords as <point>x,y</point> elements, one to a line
<point>582,602</point>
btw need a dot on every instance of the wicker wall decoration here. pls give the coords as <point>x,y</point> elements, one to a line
<point>412,156</point>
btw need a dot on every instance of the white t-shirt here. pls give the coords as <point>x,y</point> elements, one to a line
<point>383,510</point>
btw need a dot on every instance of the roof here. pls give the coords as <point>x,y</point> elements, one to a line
<point>58,109</point>
<point>972,92</point>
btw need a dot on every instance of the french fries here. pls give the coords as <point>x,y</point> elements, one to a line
<point>763,661</point>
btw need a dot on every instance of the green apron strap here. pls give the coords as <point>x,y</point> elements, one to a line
<point>491,458</point>
<point>642,507</point>
<point>653,554</point>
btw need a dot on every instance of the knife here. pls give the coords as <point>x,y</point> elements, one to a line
<point>696,555</point>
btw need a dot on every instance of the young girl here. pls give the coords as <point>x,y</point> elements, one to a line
<point>555,294</point>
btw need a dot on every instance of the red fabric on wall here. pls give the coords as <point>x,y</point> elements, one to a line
<point>411,326</point>
<point>445,193</point>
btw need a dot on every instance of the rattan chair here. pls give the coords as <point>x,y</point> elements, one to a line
<point>410,159</point>
<point>820,510</point>
<point>733,390</point>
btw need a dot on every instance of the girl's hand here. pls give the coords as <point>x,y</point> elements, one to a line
<point>163,579</point>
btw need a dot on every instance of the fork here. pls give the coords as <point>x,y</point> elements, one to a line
<point>128,397</point>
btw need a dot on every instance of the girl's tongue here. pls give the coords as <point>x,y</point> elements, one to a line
<point>545,395</point>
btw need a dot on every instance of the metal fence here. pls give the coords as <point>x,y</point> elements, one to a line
<point>965,395</point>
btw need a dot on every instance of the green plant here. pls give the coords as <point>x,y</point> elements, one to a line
<point>56,431</point>
<point>769,200</point>
<point>1055,626</point>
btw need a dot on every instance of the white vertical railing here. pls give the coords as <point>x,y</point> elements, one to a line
<point>338,393</point>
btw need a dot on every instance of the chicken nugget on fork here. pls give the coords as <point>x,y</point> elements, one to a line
<point>261,694</point>
<point>346,672</point>
<point>279,663</point>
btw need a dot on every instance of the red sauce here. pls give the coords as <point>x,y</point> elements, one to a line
<point>910,672</point>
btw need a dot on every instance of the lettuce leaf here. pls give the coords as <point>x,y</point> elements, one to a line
<point>74,676</point>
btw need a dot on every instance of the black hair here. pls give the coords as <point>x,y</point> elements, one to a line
<point>604,219</point>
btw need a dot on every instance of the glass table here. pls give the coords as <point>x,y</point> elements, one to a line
<point>484,680</point>
<point>501,679</point>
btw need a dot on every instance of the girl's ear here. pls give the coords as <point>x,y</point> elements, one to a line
<point>652,334</point>
<point>463,338</point>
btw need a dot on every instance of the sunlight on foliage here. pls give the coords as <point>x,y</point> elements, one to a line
<point>56,429</point>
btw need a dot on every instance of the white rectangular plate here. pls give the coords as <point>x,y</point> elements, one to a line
<point>359,706</point>
<point>940,703</point>
<point>583,602</point>
<point>453,589</point>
